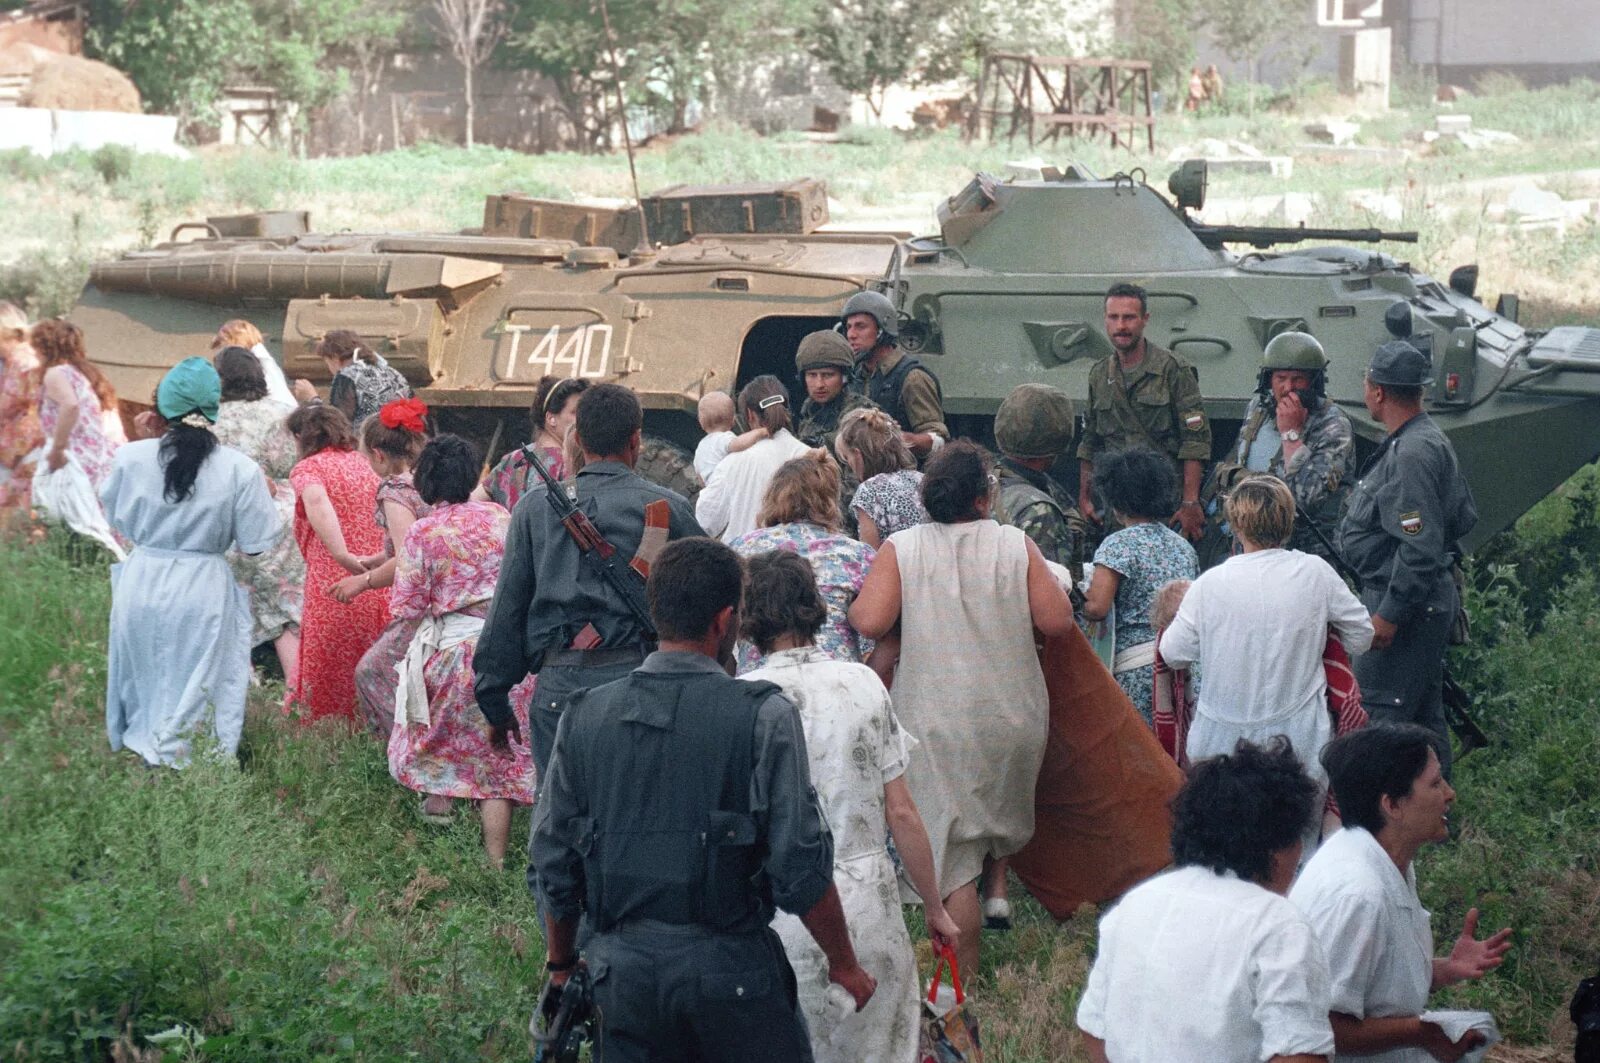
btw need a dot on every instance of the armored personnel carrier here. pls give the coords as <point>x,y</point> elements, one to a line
<point>701,288</point>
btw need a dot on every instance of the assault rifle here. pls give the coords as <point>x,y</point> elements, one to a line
<point>1457,702</point>
<point>598,554</point>
<point>570,1018</point>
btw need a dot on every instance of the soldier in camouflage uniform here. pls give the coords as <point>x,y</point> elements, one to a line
<point>825,362</point>
<point>1295,432</point>
<point>1032,429</point>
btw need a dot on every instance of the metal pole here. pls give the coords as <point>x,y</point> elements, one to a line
<point>627,138</point>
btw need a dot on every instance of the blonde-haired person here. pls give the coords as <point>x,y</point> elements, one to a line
<point>800,514</point>
<point>20,434</point>
<point>77,406</point>
<point>1257,625</point>
<point>731,501</point>
<point>889,499</point>
<point>241,333</point>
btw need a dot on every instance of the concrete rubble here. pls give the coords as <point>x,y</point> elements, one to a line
<point>1333,131</point>
<point>1234,156</point>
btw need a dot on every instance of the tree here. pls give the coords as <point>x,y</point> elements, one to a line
<point>868,45</point>
<point>376,29</point>
<point>472,29</point>
<point>1245,29</point>
<point>1161,31</point>
<point>180,53</point>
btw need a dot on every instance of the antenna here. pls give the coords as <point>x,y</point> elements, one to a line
<point>627,138</point>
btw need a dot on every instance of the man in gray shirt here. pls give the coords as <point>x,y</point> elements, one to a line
<point>677,815</point>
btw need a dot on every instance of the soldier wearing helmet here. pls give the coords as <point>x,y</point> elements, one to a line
<point>895,382</point>
<point>1401,533</point>
<point>1032,429</point>
<point>825,362</point>
<point>1293,431</point>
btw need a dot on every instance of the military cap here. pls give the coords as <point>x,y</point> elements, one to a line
<point>825,350</point>
<point>1399,364</point>
<point>1034,421</point>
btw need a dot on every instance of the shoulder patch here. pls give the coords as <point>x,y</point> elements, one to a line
<point>1411,523</point>
<point>1194,421</point>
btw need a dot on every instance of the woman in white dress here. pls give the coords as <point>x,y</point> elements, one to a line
<point>858,755</point>
<point>968,594</point>
<point>1257,624</point>
<point>730,503</point>
<point>179,653</point>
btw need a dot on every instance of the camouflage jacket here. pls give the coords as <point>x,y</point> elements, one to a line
<point>819,424</point>
<point>1045,512</point>
<point>1156,404</point>
<point>1321,472</point>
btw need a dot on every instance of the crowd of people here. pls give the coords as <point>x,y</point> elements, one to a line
<point>823,695</point>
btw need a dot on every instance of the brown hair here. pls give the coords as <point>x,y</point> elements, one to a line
<point>395,442</point>
<point>241,374</point>
<point>764,389</point>
<point>803,489</point>
<point>317,427</point>
<point>956,477</point>
<point>1261,510</point>
<point>780,599</point>
<point>876,437</point>
<point>58,341</point>
<point>341,343</point>
<point>552,396</point>
<point>13,324</point>
<point>236,333</point>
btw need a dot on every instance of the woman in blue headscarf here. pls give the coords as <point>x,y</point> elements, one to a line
<point>179,654</point>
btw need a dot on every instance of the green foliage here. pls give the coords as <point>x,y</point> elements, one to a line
<point>180,53</point>
<point>868,45</point>
<point>1161,31</point>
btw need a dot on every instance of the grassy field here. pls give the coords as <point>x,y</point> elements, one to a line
<point>296,908</point>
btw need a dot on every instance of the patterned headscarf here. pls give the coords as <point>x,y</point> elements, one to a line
<point>190,393</point>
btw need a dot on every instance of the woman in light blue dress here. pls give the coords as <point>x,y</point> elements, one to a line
<point>179,656</point>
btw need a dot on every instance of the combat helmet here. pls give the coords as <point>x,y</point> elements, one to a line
<point>824,350</point>
<point>882,310</point>
<point>1294,350</point>
<point>1034,421</point>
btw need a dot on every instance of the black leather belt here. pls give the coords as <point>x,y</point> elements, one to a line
<point>601,657</point>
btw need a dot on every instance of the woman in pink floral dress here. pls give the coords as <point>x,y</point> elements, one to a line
<point>448,567</point>
<point>77,407</point>
<point>554,412</point>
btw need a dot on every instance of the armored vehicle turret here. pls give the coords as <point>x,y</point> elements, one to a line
<point>705,287</point>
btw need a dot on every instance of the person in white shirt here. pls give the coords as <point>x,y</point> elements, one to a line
<point>731,499</point>
<point>1209,961</point>
<point>1360,894</point>
<point>1257,624</point>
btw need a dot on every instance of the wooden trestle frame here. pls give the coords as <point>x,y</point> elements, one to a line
<point>1044,95</point>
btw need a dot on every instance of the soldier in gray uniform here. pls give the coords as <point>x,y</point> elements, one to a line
<point>553,617</point>
<point>1401,533</point>
<point>677,815</point>
<point>1032,429</point>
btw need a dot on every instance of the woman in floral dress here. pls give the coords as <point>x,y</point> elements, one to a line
<point>336,491</point>
<point>20,434</point>
<point>890,496</point>
<point>1135,562</point>
<point>858,756</point>
<point>77,407</point>
<point>800,513</point>
<point>448,567</point>
<point>254,424</point>
<point>554,412</point>
<point>391,442</point>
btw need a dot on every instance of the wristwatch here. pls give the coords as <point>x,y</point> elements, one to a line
<point>1292,436</point>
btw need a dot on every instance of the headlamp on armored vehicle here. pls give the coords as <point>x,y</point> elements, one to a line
<point>1188,184</point>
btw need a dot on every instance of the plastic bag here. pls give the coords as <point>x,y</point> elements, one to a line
<point>66,496</point>
<point>949,1029</point>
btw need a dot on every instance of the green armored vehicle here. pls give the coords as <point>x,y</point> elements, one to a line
<point>704,288</point>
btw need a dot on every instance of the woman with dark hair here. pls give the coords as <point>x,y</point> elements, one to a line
<point>77,407</point>
<point>440,745</point>
<point>391,442</point>
<point>729,505</point>
<point>362,380</point>
<point>245,336</point>
<point>968,594</point>
<point>1209,961</point>
<point>179,653</point>
<point>554,412</point>
<point>1136,561</point>
<point>336,492</point>
<point>859,757</point>
<point>801,514</point>
<point>1359,893</point>
<point>249,421</point>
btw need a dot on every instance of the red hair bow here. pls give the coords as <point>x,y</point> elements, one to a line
<point>405,413</point>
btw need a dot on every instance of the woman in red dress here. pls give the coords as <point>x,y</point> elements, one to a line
<point>335,495</point>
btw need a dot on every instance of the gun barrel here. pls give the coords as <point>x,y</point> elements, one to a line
<point>1264,236</point>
